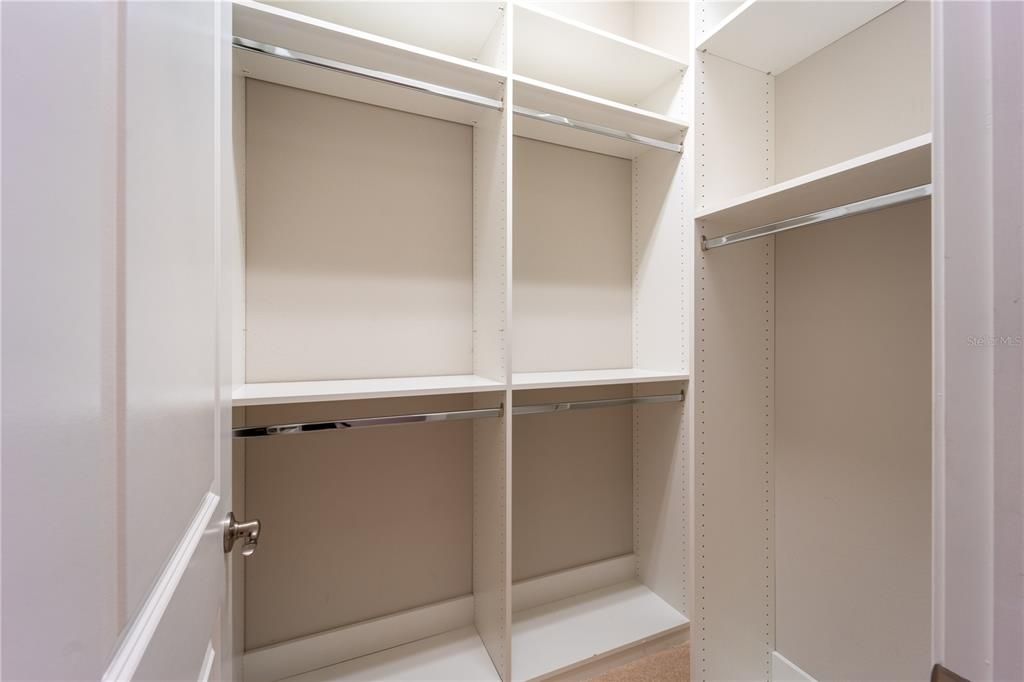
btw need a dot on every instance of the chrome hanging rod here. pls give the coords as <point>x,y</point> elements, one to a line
<point>370,74</point>
<point>591,404</point>
<point>856,208</point>
<point>454,415</point>
<point>597,129</point>
<point>361,422</point>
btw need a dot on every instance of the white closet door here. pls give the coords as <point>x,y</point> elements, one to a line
<point>113,562</point>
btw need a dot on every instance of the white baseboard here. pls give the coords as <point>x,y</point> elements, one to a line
<point>784,670</point>
<point>275,662</point>
<point>573,581</point>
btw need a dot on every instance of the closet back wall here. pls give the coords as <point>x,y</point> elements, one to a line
<point>357,218</point>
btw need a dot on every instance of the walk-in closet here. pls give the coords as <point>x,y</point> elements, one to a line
<point>478,235</point>
<point>461,340</point>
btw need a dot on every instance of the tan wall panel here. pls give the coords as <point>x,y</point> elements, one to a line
<point>870,89</point>
<point>356,524</point>
<point>853,446</point>
<point>572,483</point>
<point>359,240</point>
<point>572,267</point>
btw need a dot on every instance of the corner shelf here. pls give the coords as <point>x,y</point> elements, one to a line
<point>565,634</point>
<point>279,393</point>
<point>554,99</point>
<point>297,32</point>
<point>773,36</point>
<point>554,49</point>
<point>455,655</point>
<point>591,377</point>
<point>899,166</point>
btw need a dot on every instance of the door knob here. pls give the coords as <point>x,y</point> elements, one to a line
<point>248,532</point>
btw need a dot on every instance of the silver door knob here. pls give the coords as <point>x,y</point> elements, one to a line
<point>248,532</point>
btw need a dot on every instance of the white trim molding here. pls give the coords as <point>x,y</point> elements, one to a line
<point>138,635</point>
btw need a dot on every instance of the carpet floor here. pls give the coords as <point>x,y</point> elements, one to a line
<point>670,665</point>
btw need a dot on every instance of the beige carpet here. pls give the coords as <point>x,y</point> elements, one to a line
<point>671,665</point>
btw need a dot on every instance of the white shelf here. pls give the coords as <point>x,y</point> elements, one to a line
<point>278,393</point>
<point>899,166</point>
<point>579,106</point>
<point>592,377</point>
<point>282,28</point>
<point>455,655</point>
<point>564,634</point>
<point>772,36</point>
<point>554,49</point>
<point>459,29</point>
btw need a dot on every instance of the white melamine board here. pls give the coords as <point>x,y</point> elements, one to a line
<point>613,16</point>
<point>572,582</point>
<point>900,166</point>
<point>365,522</point>
<point>278,393</point>
<point>660,495</point>
<point>455,655</point>
<point>852,455</point>
<point>561,635</point>
<point>708,15</point>
<point>659,254</point>
<point>771,35</point>
<point>594,377</point>
<point>735,130</point>
<point>492,474</point>
<point>282,28</point>
<point>458,29</point>
<point>359,240</point>
<point>868,90</point>
<point>664,26</point>
<point>492,236</point>
<point>560,101</point>
<point>556,50</point>
<point>322,649</point>
<point>732,563</point>
<point>784,670</point>
<point>572,489</point>
<point>573,304</point>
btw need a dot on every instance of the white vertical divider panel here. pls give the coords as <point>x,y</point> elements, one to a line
<point>733,627</point>
<point>492,272</point>
<point>662,237</point>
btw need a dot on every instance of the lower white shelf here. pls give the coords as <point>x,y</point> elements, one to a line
<point>592,377</point>
<point>565,634</point>
<point>277,393</point>
<point>455,655</point>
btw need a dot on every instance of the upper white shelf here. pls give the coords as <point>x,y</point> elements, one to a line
<point>580,107</point>
<point>459,29</point>
<point>553,49</point>
<point>591,377</point>
<point>562,635</point>
<point>313,36</point>
<point>890,169</point>
<point>772,36</point>
<point>277,393</point>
